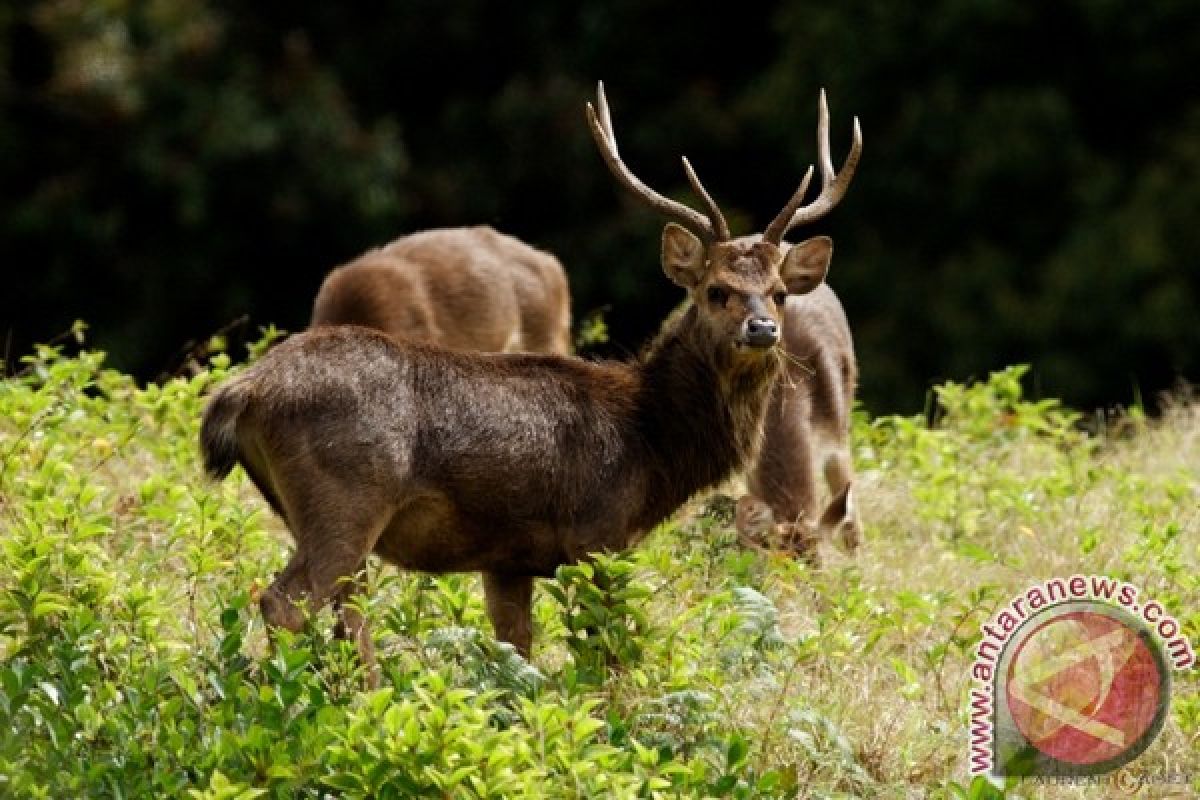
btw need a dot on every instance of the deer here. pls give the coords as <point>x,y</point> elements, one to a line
<point>467,288</point>
<point>806,435</point>
<point>513,464</point>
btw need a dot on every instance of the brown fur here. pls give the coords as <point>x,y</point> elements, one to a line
<point>443,460</point>
<point>807,434</point>
<point>466,288</point>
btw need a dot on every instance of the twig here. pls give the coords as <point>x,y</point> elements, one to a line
<point>188,357</point>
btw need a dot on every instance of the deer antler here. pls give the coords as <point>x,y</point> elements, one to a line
<point>710,228</point>
<point>833,185</point>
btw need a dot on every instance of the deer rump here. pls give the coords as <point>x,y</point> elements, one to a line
<point>436,460</point>
<point>465,288</point>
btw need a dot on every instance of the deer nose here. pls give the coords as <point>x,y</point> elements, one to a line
<point>762,332</point>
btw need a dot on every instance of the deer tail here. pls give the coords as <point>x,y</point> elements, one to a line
<point>218,431</point>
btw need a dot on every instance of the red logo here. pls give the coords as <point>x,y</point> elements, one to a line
<point>1085,688</point>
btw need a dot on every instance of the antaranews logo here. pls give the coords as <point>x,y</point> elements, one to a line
<point>1073,678</point>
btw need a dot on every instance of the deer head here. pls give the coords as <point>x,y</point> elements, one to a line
<point>738,286</point>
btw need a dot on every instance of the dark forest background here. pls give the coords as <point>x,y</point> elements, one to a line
<point>1029,190</point>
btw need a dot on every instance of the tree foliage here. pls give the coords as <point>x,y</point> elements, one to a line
<point>1027,193</point>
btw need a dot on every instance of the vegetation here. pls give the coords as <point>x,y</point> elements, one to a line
<point>1028,189</point>
<point>133,662</point>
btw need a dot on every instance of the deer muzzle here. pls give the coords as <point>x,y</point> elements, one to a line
<point>760,332</point>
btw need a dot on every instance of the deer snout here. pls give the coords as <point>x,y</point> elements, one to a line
<point>761,332</point>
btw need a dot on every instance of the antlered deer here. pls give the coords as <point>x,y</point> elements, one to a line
<point>466,288</point>
<point>807,434</point>
<point>513,464</point>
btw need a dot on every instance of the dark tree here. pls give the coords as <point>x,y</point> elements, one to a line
<point>1028,190</point>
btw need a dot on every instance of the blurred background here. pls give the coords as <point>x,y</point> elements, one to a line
<point>1029,190</point>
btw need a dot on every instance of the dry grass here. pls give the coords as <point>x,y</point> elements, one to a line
<point>892,628</point>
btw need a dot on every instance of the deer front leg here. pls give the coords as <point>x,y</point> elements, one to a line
<point>783,480</point>
<point>510,607</point>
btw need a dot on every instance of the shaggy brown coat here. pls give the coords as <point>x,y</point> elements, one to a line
<point>443,460</point>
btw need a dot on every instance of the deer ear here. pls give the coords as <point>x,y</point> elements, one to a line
<point>682,256</point>
<point>805,265</point>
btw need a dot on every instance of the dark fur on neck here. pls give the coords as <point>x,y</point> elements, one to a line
<point>699,414</point>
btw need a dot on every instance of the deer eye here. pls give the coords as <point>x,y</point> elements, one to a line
<point>717,296</point>
<point>780,298</point>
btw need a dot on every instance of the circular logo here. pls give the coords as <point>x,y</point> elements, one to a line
<point>1087,686</point>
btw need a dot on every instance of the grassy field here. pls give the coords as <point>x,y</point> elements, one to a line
<point>133,662</point>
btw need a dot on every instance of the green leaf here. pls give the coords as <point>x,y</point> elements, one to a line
<point>736,751</point>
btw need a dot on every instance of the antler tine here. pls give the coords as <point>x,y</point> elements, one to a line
<point>606,140</point>
<point>833,184</point>
<point>827,173</point>
<point>720,226</point>
<point>605,116</point>
<point>782,222</point>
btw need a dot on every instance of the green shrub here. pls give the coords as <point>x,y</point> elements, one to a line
<point>134,663</point>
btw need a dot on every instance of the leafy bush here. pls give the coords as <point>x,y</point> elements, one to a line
<point>133,661</point>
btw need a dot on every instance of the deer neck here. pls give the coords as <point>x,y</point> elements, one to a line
<point>700,414</point>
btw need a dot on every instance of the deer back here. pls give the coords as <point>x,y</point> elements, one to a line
<point>465,288</point>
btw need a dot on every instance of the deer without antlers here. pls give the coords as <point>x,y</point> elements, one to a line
<point>466,288</point>
<point>512,464</point>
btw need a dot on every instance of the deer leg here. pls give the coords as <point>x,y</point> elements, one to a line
<point>278,601</point>
<point>300,580</point>
<point>352,626</point>
<point>333,538</point>
<point>510,607</point>
<point>334,569</point>
<point>754,522</point>
<point>783,479</point>
<point>792,490</point>
<point>348,588</point>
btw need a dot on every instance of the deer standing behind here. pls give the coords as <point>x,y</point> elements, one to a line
<point>807,435</point>
<point>513,464</point>
<point>466,288</point>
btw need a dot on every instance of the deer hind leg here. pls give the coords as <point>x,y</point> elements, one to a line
<point>352,626</point>
<point>510,607</point>
<point>333,542</point>
<point>336,571</point>
<point>279,602</point>
<point>840,519</point>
